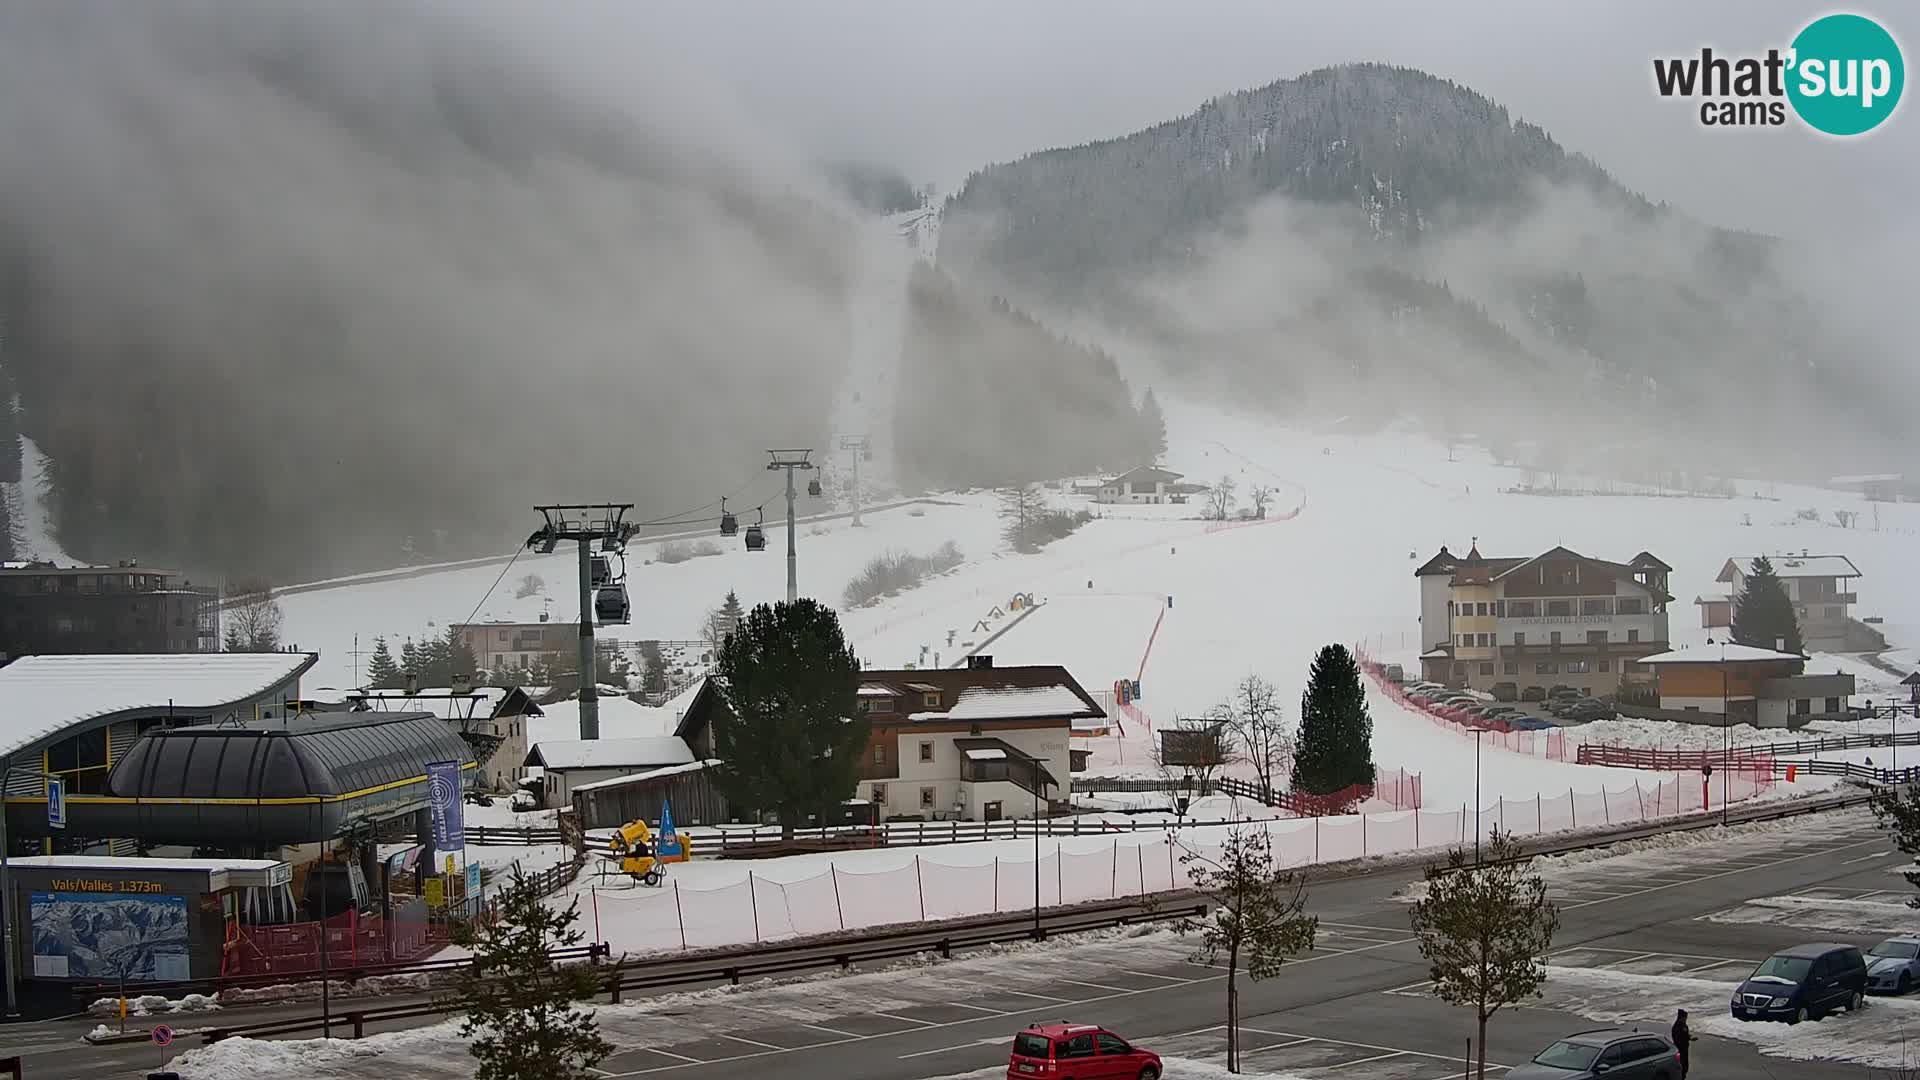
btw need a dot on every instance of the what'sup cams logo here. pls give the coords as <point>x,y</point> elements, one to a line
<point>1842,75</point>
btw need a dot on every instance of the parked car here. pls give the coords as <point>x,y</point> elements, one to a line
<point>1533,693</point>
<point>1893,966</point>
<point>1079,1052</point>
<point>1805,982</point>
<point>1613,1053</point>
<point>1506,691</point>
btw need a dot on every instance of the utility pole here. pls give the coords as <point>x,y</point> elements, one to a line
<point>860,447</point>
<point>584,524</point>
<point>787,461</point>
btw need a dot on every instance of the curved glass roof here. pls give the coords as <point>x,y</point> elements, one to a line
<point>330,755</point>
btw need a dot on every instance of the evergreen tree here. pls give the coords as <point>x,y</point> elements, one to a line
<point>382,672</point>
<point>790,737</point>
<point>1763,616</point>
<point>1336,733</point>
<point>410,661</point>
<point>653,674</point>
<point>460,658</point>
<point>731,612</point>
<point>1485,928</point>
<point>1154,427</point>
<point>1022,508</point>
<point>1897,806</point>
<point>522,1021</point>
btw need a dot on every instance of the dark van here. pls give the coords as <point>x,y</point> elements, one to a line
<point>1805,982</point>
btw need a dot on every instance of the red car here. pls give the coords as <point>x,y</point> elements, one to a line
<point>1079,1052</point>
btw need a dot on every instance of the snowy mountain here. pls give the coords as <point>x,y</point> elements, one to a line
<point>1298,242</point>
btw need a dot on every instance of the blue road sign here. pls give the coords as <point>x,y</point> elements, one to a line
<point>56,803</point>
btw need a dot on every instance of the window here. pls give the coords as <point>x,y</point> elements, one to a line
<point>879,753</point>
<point>931,701</point>
<point>1486,641</point>
<point>1499,609</point>
<point>1486,669</point>
<point>1112,1044</point>
<point>1466,640</point>
<point>1802,706</point>
<point>1519,638</point>
<point>1596,637</point>
<point>880,795</point>
<point>1078,1046</point>
<point>506,635</point>
<point>926,798</point>
<point>1559,607</point>
<point>1603,665</point>
<point>1523,609</point>
<point>1633,635</point>
<point>1479,609</point>
<point>1579,667</point>
<point>1553,638</point>
<point>926,751</point>
<point>1833,705</point>
<point>1546,667</point>
<point>1595,605</point>
<point>1630,605</point>
<point>1511,668</point>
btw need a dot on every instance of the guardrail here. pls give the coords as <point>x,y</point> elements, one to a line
<point>1852,771</point>
<point>87,992</point>
<point>733,968</point>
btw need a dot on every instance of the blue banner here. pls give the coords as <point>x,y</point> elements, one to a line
<point>444,806</point>
<point>669,842</point>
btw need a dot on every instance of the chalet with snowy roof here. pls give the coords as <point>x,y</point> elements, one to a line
<point>567,764</point>
<point>1823,595</point>
<point>977,743</point>
<point>1724,682</point>
<point>1146,484</point>
<point>489,715</point>
<point>1558,618</point>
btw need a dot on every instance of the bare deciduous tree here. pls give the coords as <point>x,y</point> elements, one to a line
<point>1256,916</point>
<point>531,585</point>
<point>1191,753</point>
<point>1220,498</point>
<point>1260,495</point>
<point>1255,721</point>
<point>252,616</point>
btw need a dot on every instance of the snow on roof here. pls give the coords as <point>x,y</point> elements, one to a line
<point>1870,478</point>
<point>41,695</point>
<point>650,774</point>
<point>1714,654</point>
<point>870,690</point>
<point>1017,703</point>
<point>1714,598</point>
<point>129,862</point>
<point>1799,566</point>
<point>988,754</point>
<point>609,753</point>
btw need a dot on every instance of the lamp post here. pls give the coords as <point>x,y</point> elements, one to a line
<point>1726,733</point>
<point>1041,788</point>
<point>1477,732</point>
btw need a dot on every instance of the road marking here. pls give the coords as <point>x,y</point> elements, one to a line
<point>1037,997</point>
<point>1364,1060</point>
<point>1739,870</point>
<point>1867,858</point>
<point>1097,986</point>
<point>1410,987</point>
<point>989,1041</point>
<point>975,1008</point>
<point>1709,967</point>
<point>663,1053</point>
<point>1385,1051</point>
<point>895,1016</point>
<point>750,1042</point>
<point>1151,975</point>
<point>834,1031</point>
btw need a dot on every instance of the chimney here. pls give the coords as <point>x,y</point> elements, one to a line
<point>978,661</point>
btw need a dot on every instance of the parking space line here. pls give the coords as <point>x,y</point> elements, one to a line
<point>833,1031</point>
<point>1096,986</point>
<point>1151,975</point>
<point>750,1042</point>
<point>1743,869</point>
<point>1867,858</point>
<point>1364,1060</point>
<point>975,1008</point>
<point>1706,967</point>
<point>663,1053</point>
<point>1421,985</point>
<point>908,1019</point>
<point>1036,997</point>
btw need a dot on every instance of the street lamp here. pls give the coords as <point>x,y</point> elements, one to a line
<point>1726,733</point>
<point>1040,787</point>
<point>1477,732</point>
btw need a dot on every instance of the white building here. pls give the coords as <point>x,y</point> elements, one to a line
<point>1146,484</point>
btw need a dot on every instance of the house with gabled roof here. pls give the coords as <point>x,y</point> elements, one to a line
<point>1558,618</point>
<point>1146,484</point>
<point>1822,590</point>
<point>976,743</point>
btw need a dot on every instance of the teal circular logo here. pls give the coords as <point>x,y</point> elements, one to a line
<point>1846,75</point>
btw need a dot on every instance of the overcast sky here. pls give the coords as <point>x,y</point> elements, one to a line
<point>939,89</point>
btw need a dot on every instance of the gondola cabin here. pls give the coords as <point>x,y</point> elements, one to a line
<point>729,525</point>
<point>756,538</point>
<point>600,572</point>
<point>610,604</point>
<point>813,488</point>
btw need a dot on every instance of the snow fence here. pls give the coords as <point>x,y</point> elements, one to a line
<point>888,887</point>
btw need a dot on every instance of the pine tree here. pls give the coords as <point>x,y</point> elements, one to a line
<point>1897,806</point>
<point>410,662</point>
<point>1154,425</point>
<point>382,672</point>
<point>790,737</point>
<point>1336,733</point>
<point>731,612</point>
<point>1485,928</point>
<point>1022,509</point>
<point>1763,616</point>
<point>460,659</point>
<point>522,1021</point>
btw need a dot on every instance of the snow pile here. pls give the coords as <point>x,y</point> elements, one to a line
<point>1829,915</point>
<point>1871,1037</point>
<point>153,1005</point>
<point>250,1059</point>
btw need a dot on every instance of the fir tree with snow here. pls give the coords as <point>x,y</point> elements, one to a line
<point>1763,615</point>
<point>382,672</point>
<point>1335,743</point>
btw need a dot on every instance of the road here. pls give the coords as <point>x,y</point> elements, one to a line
<point>1355,1009</point>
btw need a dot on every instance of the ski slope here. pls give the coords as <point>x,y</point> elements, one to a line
<point>1257,598</point>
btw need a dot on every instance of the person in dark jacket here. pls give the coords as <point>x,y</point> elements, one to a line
<point>1681,1039</point>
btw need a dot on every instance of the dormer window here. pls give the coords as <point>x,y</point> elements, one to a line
<point>931,701</point>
